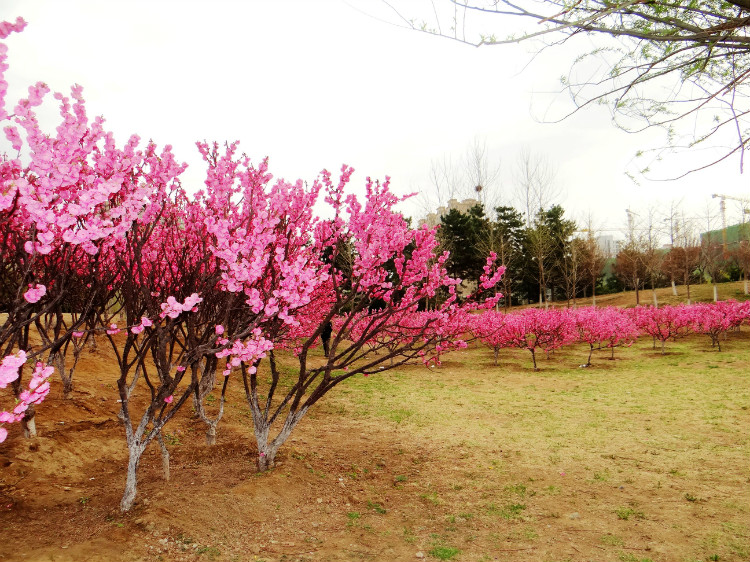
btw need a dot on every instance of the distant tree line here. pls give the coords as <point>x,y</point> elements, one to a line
<point>549,259</point>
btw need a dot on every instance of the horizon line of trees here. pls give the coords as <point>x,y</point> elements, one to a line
<point>549,258</point>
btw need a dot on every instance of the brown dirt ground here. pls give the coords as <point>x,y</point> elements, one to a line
<point>354,486</point>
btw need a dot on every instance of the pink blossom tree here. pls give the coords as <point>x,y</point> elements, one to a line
<point>609,326</point>
<point>290,270</point>
<point>662,323</point>
<point>218,279</point>
<point>717,318</point>
<point>533,329</point>
<point>489,328</point>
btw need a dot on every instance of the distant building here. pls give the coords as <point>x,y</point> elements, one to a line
<point>434,219</point>
<point>608,245</point>
<point>734,234</point>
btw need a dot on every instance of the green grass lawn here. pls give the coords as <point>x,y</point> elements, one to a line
<point>642,458</point>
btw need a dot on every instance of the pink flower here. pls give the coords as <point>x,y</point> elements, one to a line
<point>35,293</point>
<point>191,301</point>
<point>181,368</point>
<point>78,334</point>
<point>170,308</point>
<point>9,368</point>
<point>6,28</point>
<point>12,135</point>
<point>219,329</point>
<point>3,434</point>
<point>145,323</point>
<point>113,329</point>
<point>169,399</point>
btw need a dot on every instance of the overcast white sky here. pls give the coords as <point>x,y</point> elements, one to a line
<point>315,84</point>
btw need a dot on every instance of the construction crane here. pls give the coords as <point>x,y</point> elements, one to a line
<point>723,210</point>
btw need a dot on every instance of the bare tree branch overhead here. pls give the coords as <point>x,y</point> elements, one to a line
<point>679,66</point>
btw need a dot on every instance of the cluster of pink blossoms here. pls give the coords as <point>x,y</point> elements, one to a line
<point>173,309</point>
<point>37,390</point>
<point>35,293</point>
<point>145,323</point>
<point>9,368</point>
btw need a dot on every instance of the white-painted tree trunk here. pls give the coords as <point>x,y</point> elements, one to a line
<point>267,449</point>
<point>211,434</point>
<point>29,424</point>
<point>164,458</point>
<point>131,480</point>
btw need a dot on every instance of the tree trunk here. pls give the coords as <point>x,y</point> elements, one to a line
<point>129,390</point>
<point>135,451</point>
<point>211,434</point>
<point>674,289</point>
<point>497,351</point>
<point>58,360</point>
<point>267,449</point>
<point>28,423</point>
<point>164,457</point>
<point>533,358</point>
<point>201,411</point>
<point>716,293</point>
<point>67,387</point>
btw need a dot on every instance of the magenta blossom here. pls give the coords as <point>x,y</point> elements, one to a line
<point>35,293</point>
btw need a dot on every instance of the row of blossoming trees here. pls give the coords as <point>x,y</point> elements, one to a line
<point>99,240</point>
<point>549,329</point>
